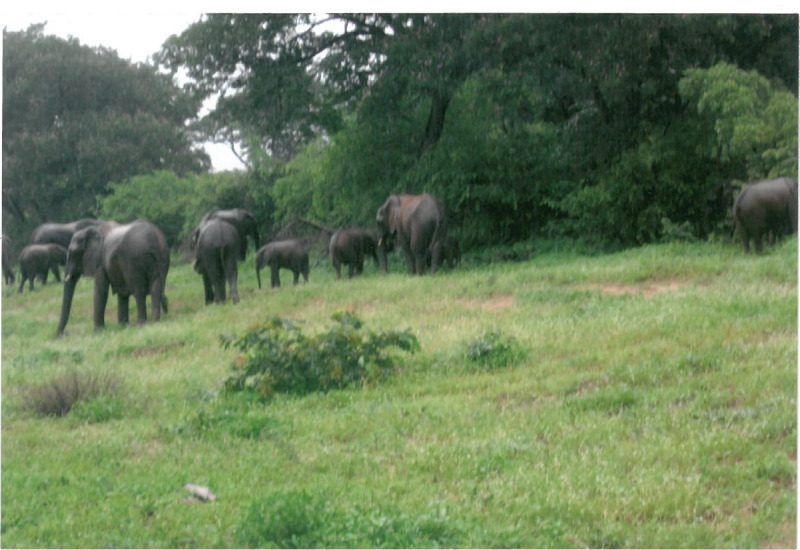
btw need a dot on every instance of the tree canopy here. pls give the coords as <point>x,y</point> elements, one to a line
<point>76,118</point>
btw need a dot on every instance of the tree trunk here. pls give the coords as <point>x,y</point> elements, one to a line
<point>435,124</point>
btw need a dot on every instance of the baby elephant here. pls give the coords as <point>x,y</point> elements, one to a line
<point>350,247</point>
<point>37,260</point>
<point>290,254</point>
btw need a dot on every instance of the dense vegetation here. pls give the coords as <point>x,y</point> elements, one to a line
<point>611,129</point>
<point>640,399</point>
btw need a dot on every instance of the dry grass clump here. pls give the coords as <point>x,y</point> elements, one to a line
<point>57,396</point>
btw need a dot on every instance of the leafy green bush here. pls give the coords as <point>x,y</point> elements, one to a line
<point>278,357</point>
<point>59,395</point>
<point>492,350</point>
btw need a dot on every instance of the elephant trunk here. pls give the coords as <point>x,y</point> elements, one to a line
<point>382,261</point>
<point>258,273</point>
<point>70,282</point>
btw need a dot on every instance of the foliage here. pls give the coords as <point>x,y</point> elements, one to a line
<point>749,122</point>
<point>84,391</point>
<point>278,357</point>
<point>176,204</point>
<point>492,350</point>
<point>76,118</point>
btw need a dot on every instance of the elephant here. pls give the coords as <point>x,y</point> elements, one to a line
<point>242,220</point>
<point>37,260</point>
<point>217,253</point>
<point>450,252</point>
<point>766,209</point>
<point>290,254</point>
<point>60,233</point>
<point>133,259</point>
<point>349,247</point>
<point>8,268</point>
<point>419,224</point>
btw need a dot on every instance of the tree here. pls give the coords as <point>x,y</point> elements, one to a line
<point>76,118</point>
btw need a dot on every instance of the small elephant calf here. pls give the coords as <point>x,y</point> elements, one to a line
<point>290,254</point>
<point>37,260</point>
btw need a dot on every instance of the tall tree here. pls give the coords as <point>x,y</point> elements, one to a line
<point>76,118</point>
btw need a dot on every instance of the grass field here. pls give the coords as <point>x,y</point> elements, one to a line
<point>651,402</point>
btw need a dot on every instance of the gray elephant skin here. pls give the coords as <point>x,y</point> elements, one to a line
<point>242,220</point>
<point>350,247</point>
<point>289,254</point>
<point>132,259</point>
<point>60,233</point>
<point>37,260</point>
<point>8,267</point>
<point>419,224</point>
<point>450,252</point>
<point>217,254</point>
<point>766,209</point>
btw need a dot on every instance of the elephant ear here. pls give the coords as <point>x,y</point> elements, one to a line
<point>92,251</point>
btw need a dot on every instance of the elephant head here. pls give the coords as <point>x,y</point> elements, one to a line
<point>388,219</point>
<point>84,257</point>
<point>244,222</point>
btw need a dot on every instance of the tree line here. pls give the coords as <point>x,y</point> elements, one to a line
<point>614,130</point>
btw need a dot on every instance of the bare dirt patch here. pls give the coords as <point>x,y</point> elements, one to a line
<point>494,303</point>
<point>646,290</point>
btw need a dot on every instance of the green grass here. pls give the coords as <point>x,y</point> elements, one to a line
<point>639,399</point>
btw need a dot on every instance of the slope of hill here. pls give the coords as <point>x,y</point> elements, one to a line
<point>652,402</point>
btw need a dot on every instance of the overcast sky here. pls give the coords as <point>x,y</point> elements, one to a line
<point>136,35</point>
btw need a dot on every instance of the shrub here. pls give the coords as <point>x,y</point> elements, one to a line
<point>58,396</point>
<point>278,357</point>
<point>493,350</point>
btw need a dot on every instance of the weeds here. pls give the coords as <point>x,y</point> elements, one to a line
<point>493,350</point>
<point>278,357</point>
<point>95,392</point>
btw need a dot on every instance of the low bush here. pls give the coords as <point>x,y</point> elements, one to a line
<point>492,350</point>
<point>278,357</point>
<point>59,395</point>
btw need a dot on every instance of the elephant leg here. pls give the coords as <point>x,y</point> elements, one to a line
<point>157,296</point>
<point>338,267</point>
<point>758,243</point>
<point>276,279</point>
<point>22,280</point>
<point>208,289</point>
<point>409,261</point>
<point>233,282</point>
<point>219,289</point>
<point>141,305</point>
<point>420,263</point>
<point>351,269</point>
<point>56,273</point>
<point>100,301</point>
<point>296,275</point>
<point>123,307</point>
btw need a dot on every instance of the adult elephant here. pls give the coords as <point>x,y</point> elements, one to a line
<point>243,221</point>
<point>60,233</point>
<point>349,247</point>
<point>289,254</point>
<point>37,260</point>
<point>132,259</point>
<point>8,268</point>
<point>419,224</point>
<point>766,209</point>
<point>217,254</point>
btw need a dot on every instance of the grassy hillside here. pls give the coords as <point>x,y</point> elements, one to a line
<point>650,401</point>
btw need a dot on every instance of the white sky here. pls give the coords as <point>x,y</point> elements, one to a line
<point>136,35</point>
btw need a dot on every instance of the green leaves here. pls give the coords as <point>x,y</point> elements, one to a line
<point>277,357</point>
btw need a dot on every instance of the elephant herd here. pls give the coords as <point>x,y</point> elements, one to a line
<point>133,259</point>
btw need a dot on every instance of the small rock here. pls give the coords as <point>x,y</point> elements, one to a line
<point>201,493</point>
